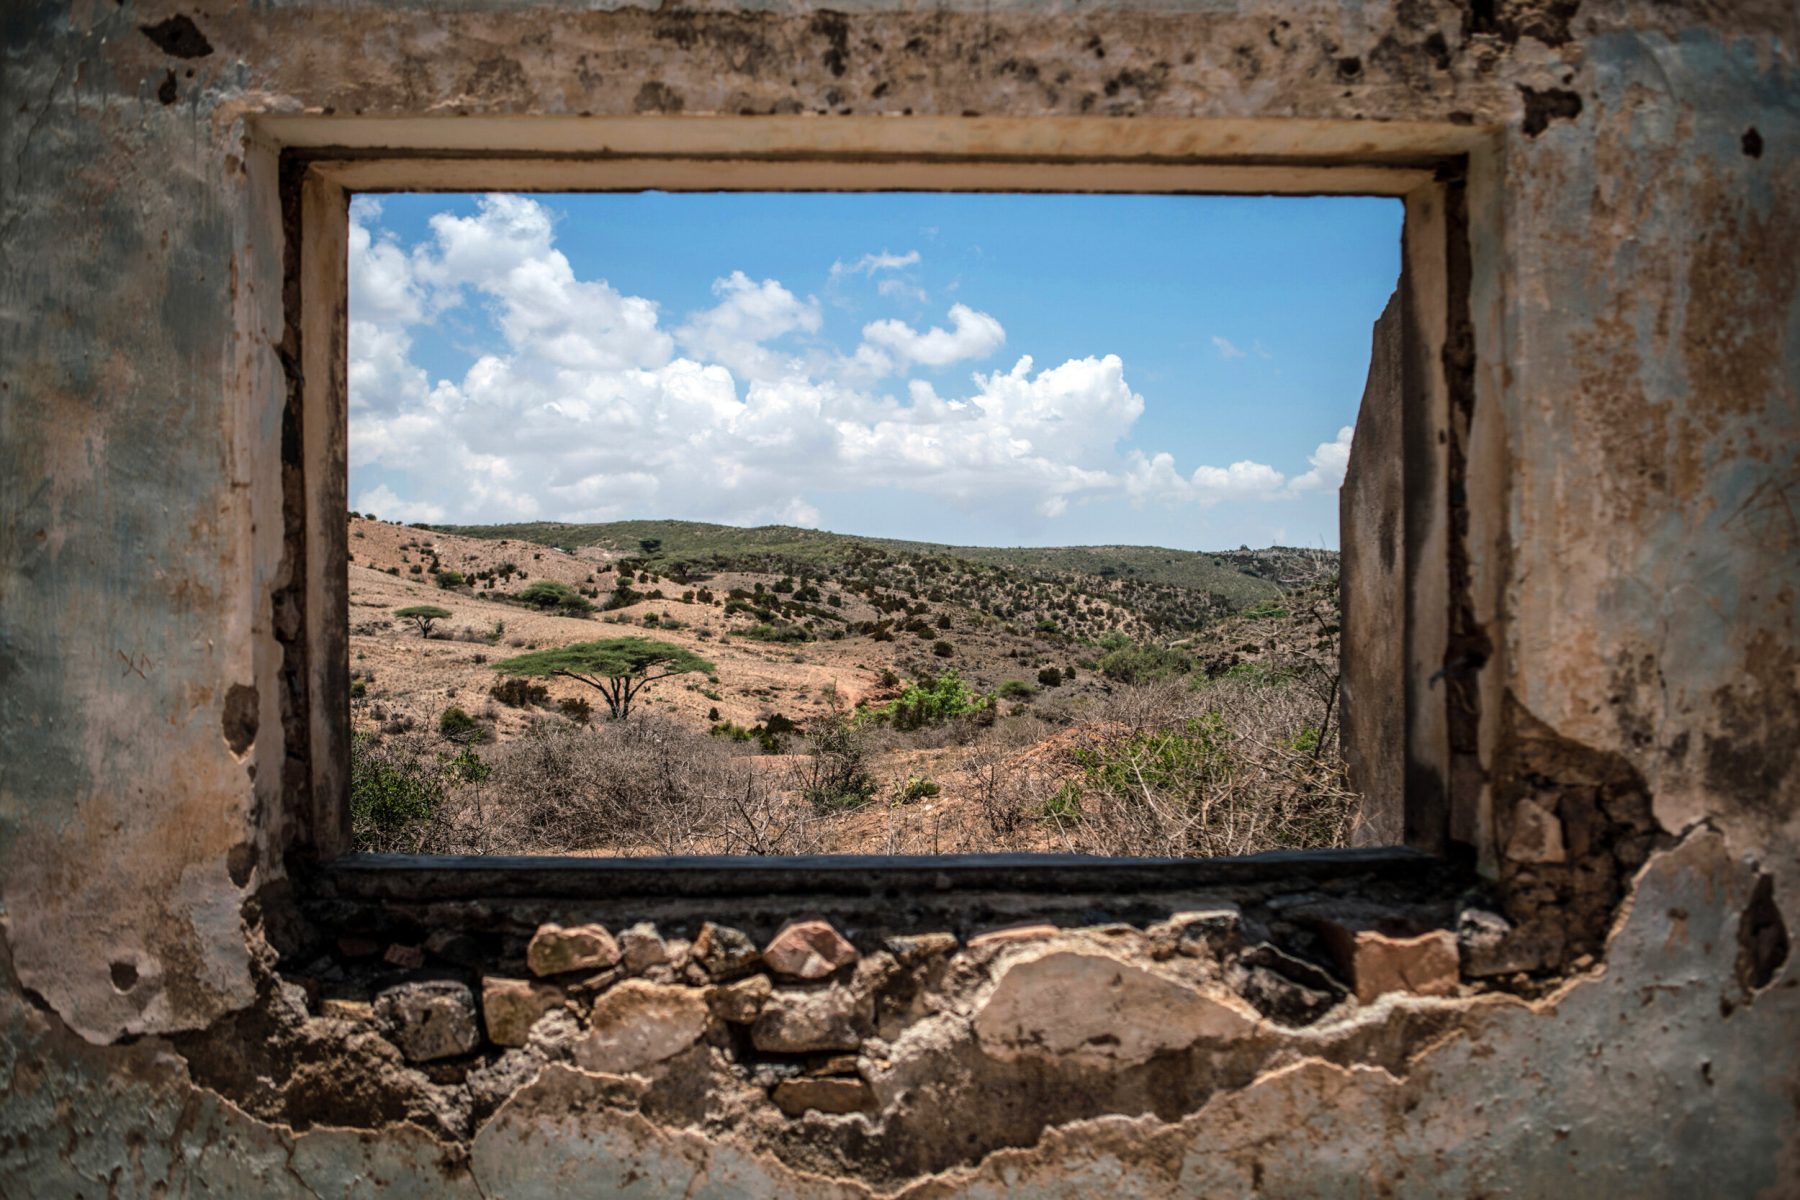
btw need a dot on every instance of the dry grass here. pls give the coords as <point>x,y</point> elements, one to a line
<point>644,786</point>
<point>1164,770</point>
<point>1187,766</point>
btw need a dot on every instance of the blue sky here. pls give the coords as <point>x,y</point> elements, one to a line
<point>858,362</point>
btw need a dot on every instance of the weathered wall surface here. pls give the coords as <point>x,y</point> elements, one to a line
<point>1634,446</point>
<point>1371,509</point>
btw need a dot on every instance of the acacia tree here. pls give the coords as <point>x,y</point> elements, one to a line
<point>617,668</point>
<point>422,615</point>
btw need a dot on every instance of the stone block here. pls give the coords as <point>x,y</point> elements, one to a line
<point>641,948</point>
<point>723,952</point>
<point>1035,932</point>
<point>742,1002</point>
<point>555,950</point>
<point>1101,1011</point>
<point>1537,834</point>
<point>639,1024</point>
<point>334,1008</point>
<point>812,1021</point>
<point>407,958</point>
<point>1200,933</point>
<point>912,949</point>
<point>510,1007</point>
<point>825,1095</point>
<point>1375,963</point>
<point>808,950</point>
<point>429,1020</point>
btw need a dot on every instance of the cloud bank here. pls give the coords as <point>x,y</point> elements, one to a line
<point>595,406</point>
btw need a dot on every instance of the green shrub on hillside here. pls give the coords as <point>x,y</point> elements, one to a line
<point>767,734</point>
<point>1065,803</point>
<point>548,594</point>
<point>519,693</point>
<point>458,726</point>
<point>776,631</point>
<point>931,701</point>
<point>916,787</point>
<point>1136,663</point>
<point>836,774</point>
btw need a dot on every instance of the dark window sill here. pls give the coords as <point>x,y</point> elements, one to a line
<point>411,878</point>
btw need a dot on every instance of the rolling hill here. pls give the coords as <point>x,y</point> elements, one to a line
<point>1084,590</point>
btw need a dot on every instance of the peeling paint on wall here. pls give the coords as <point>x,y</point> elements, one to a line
<point>1645,591</point>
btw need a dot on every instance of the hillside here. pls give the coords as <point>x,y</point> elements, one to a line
<point>778,644</point>
<point>1084,591</point>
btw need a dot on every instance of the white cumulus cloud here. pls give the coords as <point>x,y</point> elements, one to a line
<point>588,407</point>
<point>1329,462</point>
<point>971,335</point>
<point>747,315</point>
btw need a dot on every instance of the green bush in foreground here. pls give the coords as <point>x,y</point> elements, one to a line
<point>398,791</point>
<point>390,795</point>
<point>1177,762</point>
<point>931,701</point>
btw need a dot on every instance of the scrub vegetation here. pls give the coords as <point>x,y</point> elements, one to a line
<point>786,691</point>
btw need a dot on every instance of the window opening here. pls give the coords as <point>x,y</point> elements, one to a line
<point>892,523</point>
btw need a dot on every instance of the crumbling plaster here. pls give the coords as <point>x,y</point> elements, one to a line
<point>1633,453</point>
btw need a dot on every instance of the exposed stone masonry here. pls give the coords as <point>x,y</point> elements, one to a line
<point>823,1044</point>
<point>1624,1011</point>
<point>782,1030</point>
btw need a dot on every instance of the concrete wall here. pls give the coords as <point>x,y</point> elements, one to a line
<point>1628,462</point>
<point>1371,512</point>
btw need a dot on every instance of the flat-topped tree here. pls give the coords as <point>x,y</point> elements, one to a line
<point>422,615</point>
<point>617,668</point>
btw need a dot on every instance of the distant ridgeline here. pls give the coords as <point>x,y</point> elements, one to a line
<point>1167,590</point>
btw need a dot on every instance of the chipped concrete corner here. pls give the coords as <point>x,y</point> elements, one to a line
<point>1610,1002</point>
